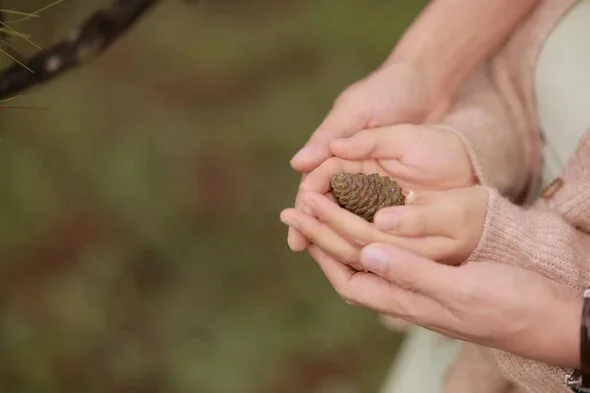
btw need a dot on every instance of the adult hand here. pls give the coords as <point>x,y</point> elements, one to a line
<point>492,304</point>
<point>393,94</point>
<point>418,157</point>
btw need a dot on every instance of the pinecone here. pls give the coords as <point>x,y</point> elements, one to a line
<point>364,194</point>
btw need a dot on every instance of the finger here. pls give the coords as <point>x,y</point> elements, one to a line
<point>349,283</point>
<point>434,219</point>
<point>374,292</point>
<point>390,142</point>
<point>319,179</point>
<point>357,231</point>
<point>348,225</point>
<point>436,248</point>
<point>296,241</point>
<point>410,271</point>
<point>321,235</point>
<point>335,271</point>
<point>342,120</point>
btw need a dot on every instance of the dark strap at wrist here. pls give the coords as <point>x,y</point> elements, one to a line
<point>585,341</point>
<point>579,380</point>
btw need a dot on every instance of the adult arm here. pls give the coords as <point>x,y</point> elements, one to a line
<point>450,38</point>
<point>418,81</point>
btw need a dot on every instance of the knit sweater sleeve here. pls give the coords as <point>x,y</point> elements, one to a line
<point>495,143</point>
<point>542,238</point>
<point>538,238</point>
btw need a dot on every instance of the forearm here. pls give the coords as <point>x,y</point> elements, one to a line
<point>450,38</point>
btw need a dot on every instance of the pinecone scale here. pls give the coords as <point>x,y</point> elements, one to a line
<point>364,195</point>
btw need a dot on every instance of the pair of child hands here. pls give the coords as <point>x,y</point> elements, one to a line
<point>444,222</point>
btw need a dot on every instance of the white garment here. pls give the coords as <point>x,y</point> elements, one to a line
<point>562,83</point>
<point>562,88</point>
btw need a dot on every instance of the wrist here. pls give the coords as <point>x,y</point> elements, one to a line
<point>430,80</point>
<point>563,334</point>
<point>579,379</point>
<point>473,168</point>
<point>557,338</point>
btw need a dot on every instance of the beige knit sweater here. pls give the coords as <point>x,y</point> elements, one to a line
<point>496,117</point>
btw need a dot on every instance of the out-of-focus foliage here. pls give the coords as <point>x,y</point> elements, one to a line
<point>140,247</point>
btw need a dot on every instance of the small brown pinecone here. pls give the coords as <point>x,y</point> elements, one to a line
<point>364,194</point>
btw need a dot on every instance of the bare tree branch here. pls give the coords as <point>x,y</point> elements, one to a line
<point>93,37</point>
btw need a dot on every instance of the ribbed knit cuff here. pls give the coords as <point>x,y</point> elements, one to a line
<point>496,162</point>
<point>530,375</point>
<point>472,151</point>
<point>537,239</point>
<point>504,237</point>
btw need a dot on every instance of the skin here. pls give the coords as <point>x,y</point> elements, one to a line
<point>530,316</point>
<point>497,305</point>
<point>420,158</point>
<point>416,83</point>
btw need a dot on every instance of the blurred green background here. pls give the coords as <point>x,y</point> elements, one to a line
<point>140,246</point>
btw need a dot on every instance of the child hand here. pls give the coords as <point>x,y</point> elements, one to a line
<point>443,226</point>
<point>418,157</point>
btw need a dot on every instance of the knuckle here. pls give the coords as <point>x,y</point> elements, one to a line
<point>310,229</point>
<point>305,198</point>
<point>347,95</point>
<point>405,307</point>
<point>419,223</point>
<point>303,186</point>
<point>350,256</point>
<point>412,223</point>
<point>407,282</point>
<point>467,291</point>
<point>333,163</point>
<point>362,238</point>
<point>365,134</point>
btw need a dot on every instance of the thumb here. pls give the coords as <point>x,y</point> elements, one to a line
<point>342,121</point>
<point>390,142</point>
<point>409,271</point>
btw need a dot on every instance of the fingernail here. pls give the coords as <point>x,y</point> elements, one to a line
<point>374,258</point>
<point>386,220</point>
